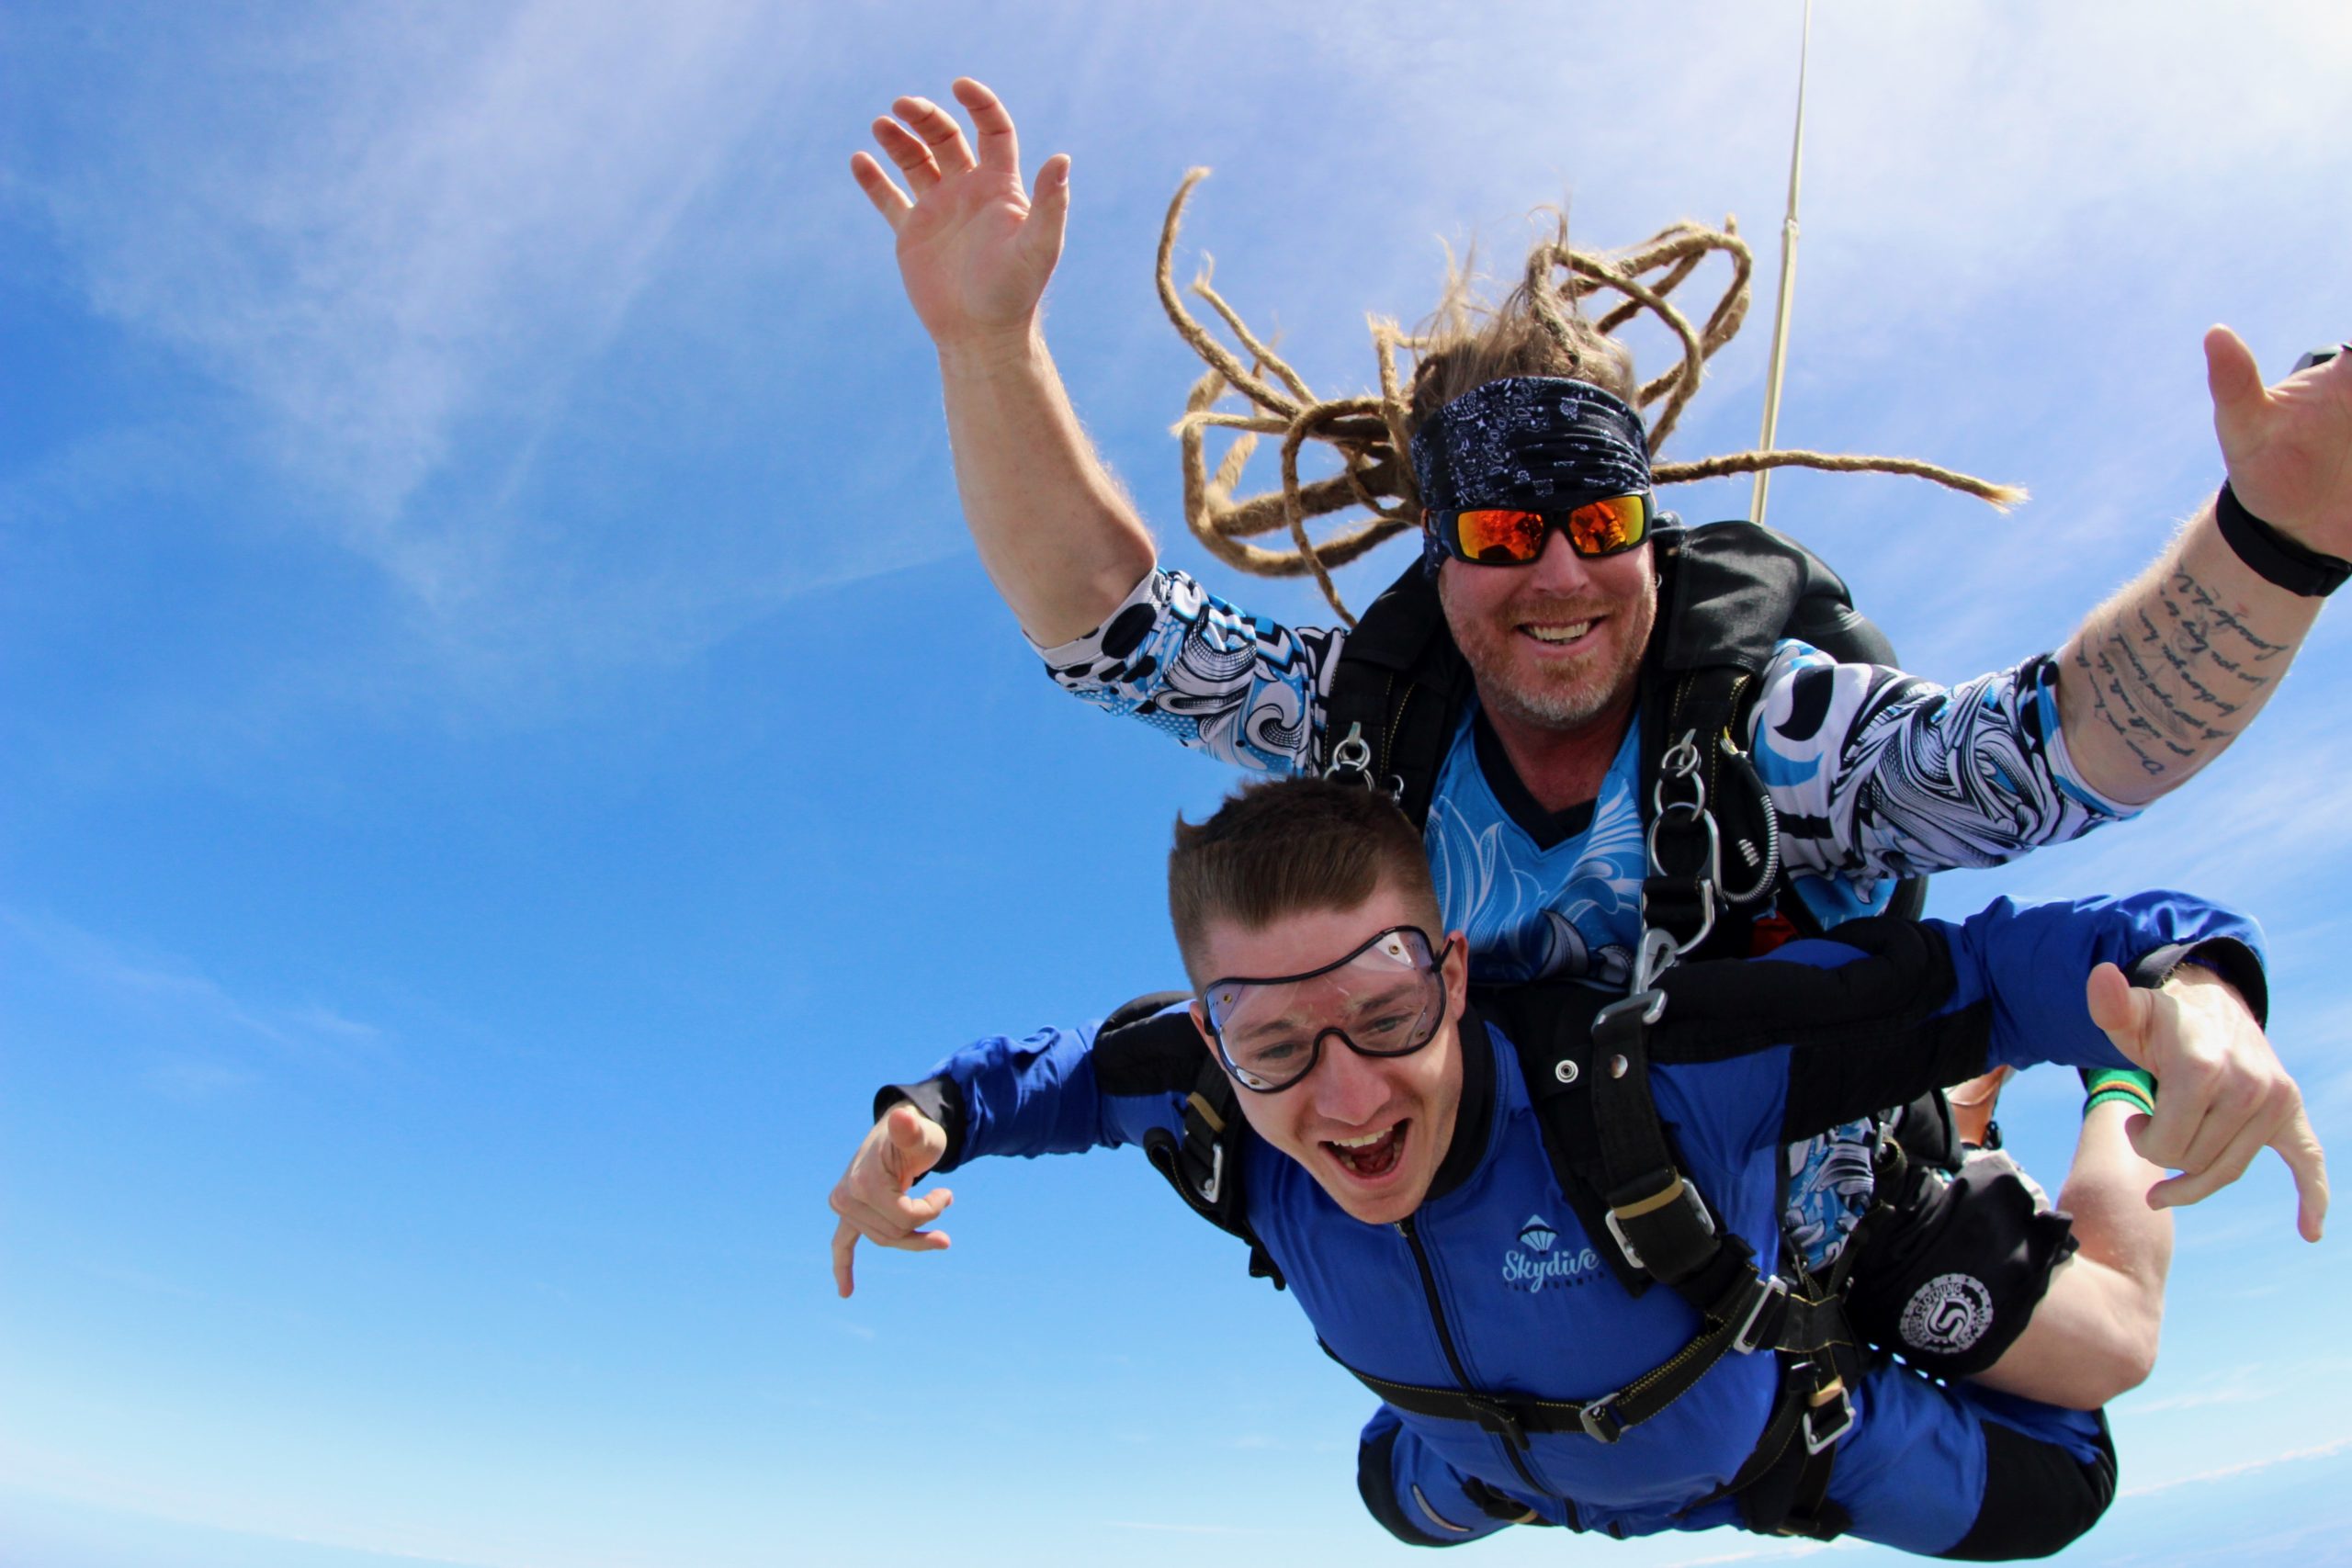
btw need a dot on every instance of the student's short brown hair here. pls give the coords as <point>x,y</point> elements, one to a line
<point>1279,847</point>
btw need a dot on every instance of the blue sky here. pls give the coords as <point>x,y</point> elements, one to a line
<point>505,743</point>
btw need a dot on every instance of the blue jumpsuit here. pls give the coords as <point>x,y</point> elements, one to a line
<point>1496,1263</point>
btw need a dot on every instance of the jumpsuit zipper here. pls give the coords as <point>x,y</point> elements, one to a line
<point>1453,1358</point>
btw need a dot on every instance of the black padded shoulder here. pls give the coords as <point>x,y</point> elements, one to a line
<point>1399,684</point>
<point>1732,590</point>
<point>1721,1008</point>
<point>1864,1035</point>
<point>1144,1049</point>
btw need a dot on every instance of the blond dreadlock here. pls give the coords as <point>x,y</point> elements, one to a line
<point>1538,330</point>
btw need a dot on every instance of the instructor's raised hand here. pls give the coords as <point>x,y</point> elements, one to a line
<point>976,248</point>
<point>2289,448</point>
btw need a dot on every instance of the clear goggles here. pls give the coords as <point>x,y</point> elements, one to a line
<point>1387,999</point>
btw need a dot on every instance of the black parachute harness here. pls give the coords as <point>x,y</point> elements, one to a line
<point>1728,594</point>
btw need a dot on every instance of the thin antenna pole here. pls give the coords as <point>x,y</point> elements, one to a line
<point>1788,282</point>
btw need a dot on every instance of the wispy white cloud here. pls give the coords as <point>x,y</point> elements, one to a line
<point>199,1038</point>
<point>2237,1385</point>
<point>2248,1467</point>
<point>403,231</point>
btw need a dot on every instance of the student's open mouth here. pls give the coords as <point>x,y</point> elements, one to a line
<point>1372,1157</point>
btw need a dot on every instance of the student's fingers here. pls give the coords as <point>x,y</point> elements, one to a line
<point>906,150</point>
<point>2299,1146</point>
<point>889,200</point>
<point>992,124</point>
<point>917,1241</point>
<point>940,133</point>
<point>916,1142</point>
<point>886,1216</point>
<point>2201,1180</point>
<point>2123,1011</point>
<point>2235,1103</point>
<point>915,1212</point>
<point>844,1248</point>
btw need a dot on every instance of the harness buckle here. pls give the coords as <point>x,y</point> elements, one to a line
<point>1773,1287</point>
<point>1215,1185</point>
<point>1499,1419</point>
<point>1820,1438</point>
<point>1600,1422</point>
<point>1681,1193</point>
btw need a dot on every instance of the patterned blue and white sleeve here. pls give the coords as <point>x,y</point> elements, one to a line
<point>1875,771</point>
<point>1219,680</point>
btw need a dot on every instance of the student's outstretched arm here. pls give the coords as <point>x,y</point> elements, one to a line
<point>2009,988</point>
<point>2161,678</point>
<point>976,248</point>
<point>1052,1091</point>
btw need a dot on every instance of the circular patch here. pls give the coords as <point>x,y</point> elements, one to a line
<point>1947,1314</point>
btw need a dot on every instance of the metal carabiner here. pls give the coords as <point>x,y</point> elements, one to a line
<point>1352,756</point>
<point>1652,956</point>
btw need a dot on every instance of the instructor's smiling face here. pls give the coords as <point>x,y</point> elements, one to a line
<point>1558,643</point>
<point>1370,1130</point>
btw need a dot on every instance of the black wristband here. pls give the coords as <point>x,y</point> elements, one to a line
<point>2273,556</point>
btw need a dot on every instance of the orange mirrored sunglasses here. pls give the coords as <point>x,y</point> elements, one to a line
<point>1510,536</point>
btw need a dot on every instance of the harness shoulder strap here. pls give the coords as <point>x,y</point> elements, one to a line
<point>1728,594</point>
<point>1585,1061</point>
<point>1550,1026</point>
<point>1397,691</point>
<point>1144,1049</point>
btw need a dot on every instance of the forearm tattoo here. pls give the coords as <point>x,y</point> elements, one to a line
<point>2175,681</point>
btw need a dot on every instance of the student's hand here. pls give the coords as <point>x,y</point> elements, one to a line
<point>2221,1095</point>
<point>871,1197</point>
<point>2289,448</point>
<point>973,252</point>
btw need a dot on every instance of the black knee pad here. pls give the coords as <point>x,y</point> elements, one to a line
<point>2038,1497</point>
<point>1951,1272</point>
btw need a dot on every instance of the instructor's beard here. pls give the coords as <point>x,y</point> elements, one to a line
<point>1519,683</point>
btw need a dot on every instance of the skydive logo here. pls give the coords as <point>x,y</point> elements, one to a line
<point>1533,1264</point>
<point>1949,1313</point>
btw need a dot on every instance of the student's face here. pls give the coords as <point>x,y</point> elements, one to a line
<point>1557,643</point>
<point>1371,1131</point>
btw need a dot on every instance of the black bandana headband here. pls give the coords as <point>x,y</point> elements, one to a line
<point>1537,442</point>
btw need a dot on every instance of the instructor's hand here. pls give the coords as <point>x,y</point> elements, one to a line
<point>2289,448</point>
<point>871,1197</point>
<point>974,250</point>
<point>2221,1095</point>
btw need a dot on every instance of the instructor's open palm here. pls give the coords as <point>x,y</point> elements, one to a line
<point>975,249</point>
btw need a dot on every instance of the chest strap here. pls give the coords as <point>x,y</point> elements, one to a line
<point>1767,1316</point>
